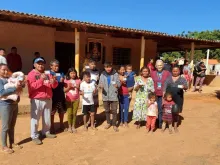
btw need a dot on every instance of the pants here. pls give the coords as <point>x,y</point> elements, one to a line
<point>160,111</point>
<point>199,80</point>
<point>72,108</point>
<point>40,107</point>
<point>9,115</point>
<point>111,105</point>
<point>151,120</point>
<point>124,107</point>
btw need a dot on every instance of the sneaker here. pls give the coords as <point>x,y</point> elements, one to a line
<point>37,141</point>
<point>51,136</point>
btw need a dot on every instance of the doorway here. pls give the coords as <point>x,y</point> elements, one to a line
<point>65,54</point>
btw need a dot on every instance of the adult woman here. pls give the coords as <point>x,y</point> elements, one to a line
<point>175,85</point>
<point>150,65</point>
<point>159,77</point>
<point>200,76</point>
<point>8,111</point>
<point>143,86</point>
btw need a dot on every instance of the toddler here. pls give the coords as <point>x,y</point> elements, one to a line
<point>130,79</point>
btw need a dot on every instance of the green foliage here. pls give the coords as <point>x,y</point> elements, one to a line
<point>199,54</point>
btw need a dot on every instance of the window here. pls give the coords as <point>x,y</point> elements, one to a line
<point>121,56</point>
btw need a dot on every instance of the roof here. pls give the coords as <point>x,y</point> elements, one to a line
<point>212,61</point>
<point>165,41</point>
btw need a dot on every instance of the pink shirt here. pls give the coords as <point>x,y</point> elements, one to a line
<point>39,88</point>
<point>72,95</point>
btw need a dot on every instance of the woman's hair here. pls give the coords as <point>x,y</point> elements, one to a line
<point>144,67</point>
<point>121,66</point>
<point>68,73</point>
<point>152,95</point>
<point>167,94</point>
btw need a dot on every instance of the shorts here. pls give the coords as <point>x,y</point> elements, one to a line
<point>58,107</point>
<point>88,108</point>
<point>96,101</point>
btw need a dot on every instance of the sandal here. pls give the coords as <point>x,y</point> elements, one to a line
<point>7,150</point>
<point>16,146</point>
<point>107,126</point>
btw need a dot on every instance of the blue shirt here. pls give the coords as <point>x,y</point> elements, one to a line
<point>130,79</point>
<point>109,80</point>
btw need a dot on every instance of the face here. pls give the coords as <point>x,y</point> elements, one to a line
<point>175,72</point>
<point>153,99</point>
<point>169,98</point>
<point>145,73</point>
<point>108,69</point>
<point>14,51</point>
<point>2,52</point>
<point>4,71</point>
<point>87,78</point>
<point>54,67</point>
<point>159,66</point>
<point>202,64</point>
<point>128,69</point>
<point>152,61</point>
<point>92,65</point>
<point>121,71</point>
<point>72,75</point>
<point>39,66</point>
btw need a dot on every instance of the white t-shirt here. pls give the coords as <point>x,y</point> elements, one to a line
<point>3,60</point>
<point>87,88</point>
<point>152,109</point>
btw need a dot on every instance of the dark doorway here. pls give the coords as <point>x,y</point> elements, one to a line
<point>65,54</point>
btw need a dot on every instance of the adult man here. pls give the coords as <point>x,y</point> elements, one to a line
<point>40,92</point>
<point>14,60</point>
<point>159,77</point>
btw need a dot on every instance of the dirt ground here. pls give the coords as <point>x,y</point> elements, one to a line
<point>197,143</point>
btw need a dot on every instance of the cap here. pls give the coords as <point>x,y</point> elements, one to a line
<point>39,60</point>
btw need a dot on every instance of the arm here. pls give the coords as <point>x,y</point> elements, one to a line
<point>165,86</point>
<point>33,83</point>
<point>151,85</point>
<point>101,81</point>
<point>185,85</point>
<point>118,83</point>
<point>6,92</point>
<point>136,85</point>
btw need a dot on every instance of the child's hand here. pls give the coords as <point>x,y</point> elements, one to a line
<point>95,90</point>
<point>82,93</point>
<point>43,76</point>
<point>61,79</point>
<point>101,86</point>
<point>53,79</point>
<point>77,86</point>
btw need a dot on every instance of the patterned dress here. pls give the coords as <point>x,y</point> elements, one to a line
<point>140,107</point>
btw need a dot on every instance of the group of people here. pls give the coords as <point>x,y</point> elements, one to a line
<point>159,97</point>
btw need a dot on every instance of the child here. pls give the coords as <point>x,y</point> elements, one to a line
<point>123,97</point>
<point>87,90</point>
<point>16,79</point>
<point>58,104</point>
<point>94,79</point>
<point>167,111</point>
<point>2,58</point>
<point>72,98</point>
<point>187,76</point>
<point>152,112</point>
<point>109,83</point>
<point>130,79</point>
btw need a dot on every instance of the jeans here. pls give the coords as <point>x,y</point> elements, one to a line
<point>111,106</point>
<point>9,115</point>
<point>160,110</point>
<point>40,107</point>
<point>124,107</point>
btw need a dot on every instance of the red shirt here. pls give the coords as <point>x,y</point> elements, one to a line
<point>123,90</point>
<point>150,66</point>
<point>14,62</point>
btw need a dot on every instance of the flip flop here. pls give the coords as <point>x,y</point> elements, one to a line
<point>7,150</point>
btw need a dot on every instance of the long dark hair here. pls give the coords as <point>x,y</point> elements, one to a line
<point>68,73</point>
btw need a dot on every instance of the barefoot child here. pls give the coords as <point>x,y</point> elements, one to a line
<point>72,97</point>
<point>130,79</point>
<point>58,98</point>
<point>123,97</point>
<point>152,112</point>
<point>167,116</point>
<point>87,90</point>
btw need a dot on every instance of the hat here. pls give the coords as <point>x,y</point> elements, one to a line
<point>39,60</point>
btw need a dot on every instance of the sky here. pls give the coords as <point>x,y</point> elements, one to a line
<point>168,16</point>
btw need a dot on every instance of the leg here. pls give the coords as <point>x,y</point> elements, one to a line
<point>52,129</point>
<point>54,109</point>
<point>148,124</point>
<point>75,108</point>
<point>85,113</point>
<point>84,121</point>
<point>170,127</point>
<point>61,116</point>
<point>126,109</point>
<point>93,120</point>
<point>196,83</point>
<point>176,120</point>
<point>69,115</point>
<point>153,122</point>
<point>160,111</point>
<point>114,106</point>
<point>121,105</point>
<point>164,126</point>
<point>201,83</point>
<point>61,112</point>
<point>106,105</point>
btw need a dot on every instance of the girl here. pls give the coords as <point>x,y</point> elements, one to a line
<point>143,86</point>
<point>123,97</point>
<point>176,86</point>
<point>187,73</point>
<point>167,111</point>
<point>72,98</point>
<point>152,112</point>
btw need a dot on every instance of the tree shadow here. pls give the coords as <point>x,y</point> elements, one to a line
<point>181,118</point>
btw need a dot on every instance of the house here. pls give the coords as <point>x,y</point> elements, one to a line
<point>72,41</point>
<point>213,66</point>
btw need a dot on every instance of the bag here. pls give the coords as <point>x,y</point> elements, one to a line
<point>175,108</point>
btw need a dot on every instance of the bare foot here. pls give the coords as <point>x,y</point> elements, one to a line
<point>176,130</point>
<point>85,128</point>
<point>170,131</point>
<point>126,125</point>
<point>70,130</point>
<point>148,130</point>
<point>94,128</point>
<point>107,126</point>
<point>121,124</point>
<point>138,126</point>
<point>162,130</point>
<point>74,130</point>
<point>115,128</point>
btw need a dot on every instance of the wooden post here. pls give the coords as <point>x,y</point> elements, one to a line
<point>77,43</point>
<point>142,51</point>
<point>192,51</point>
<point>186,55</point>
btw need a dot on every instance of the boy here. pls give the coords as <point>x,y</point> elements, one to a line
<point>2,56</point>
<point>87,90</point>
<point>109,83</point>
<point>94,79</point>
<point>40,92</point>
<point>130,79</point>
<point>58,104</point>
